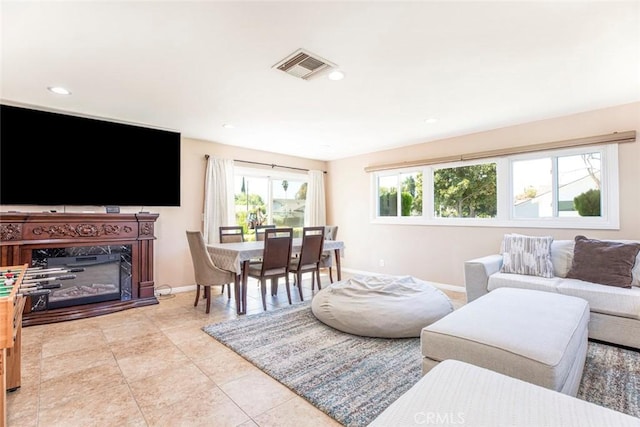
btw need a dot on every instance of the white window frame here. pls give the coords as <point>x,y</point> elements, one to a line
<point>609,219</point>
<point>270,175</point>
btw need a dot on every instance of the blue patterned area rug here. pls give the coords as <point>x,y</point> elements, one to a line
<point>353,379</point>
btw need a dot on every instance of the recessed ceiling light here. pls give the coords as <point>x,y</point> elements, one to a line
<point>228,126</point>
<point>59,90</point>
<point>336,75</point>
<point>430,120</point>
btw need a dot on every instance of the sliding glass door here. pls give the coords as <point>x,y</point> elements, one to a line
<point>265,197</point>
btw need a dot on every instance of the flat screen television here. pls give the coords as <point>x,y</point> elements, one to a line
<point>49,158</point>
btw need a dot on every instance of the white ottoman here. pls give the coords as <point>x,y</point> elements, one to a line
<point>538,337</point>
<point>381,306</point>
<point>459,394</point>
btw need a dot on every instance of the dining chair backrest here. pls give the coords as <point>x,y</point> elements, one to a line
<point>277,248</point>
<point>205,271</point>
<point>260,229</point>
<point>326,260</point>
<point>330,232</point>
<point>231,234</point>
<point>312,242</point>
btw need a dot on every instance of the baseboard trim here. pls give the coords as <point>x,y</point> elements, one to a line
<point>164,290</point>
<point>168,290</point>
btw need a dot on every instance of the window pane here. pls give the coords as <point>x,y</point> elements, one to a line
<point>579,185</point>
<point>287,206</point>
<point>411,194</point>
<point>576,187</point>
<point>251,194</point>
<point>388,195</point>
<point>532,185</point>
<point>465,192</point>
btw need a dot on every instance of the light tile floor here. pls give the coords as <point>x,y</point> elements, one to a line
<point>154,366</point>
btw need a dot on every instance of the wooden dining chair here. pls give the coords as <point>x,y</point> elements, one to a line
<point>260,229</point>
<point>326,260</point>
<point>275,261</point>
<point>309,259</point>
<point>206,272</point>
<point>231,234</point>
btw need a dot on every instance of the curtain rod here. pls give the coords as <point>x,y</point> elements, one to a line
<point>616,137</point>
<point>206,156</point>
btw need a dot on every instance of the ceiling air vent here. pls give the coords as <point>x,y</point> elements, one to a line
<point>303,64</point>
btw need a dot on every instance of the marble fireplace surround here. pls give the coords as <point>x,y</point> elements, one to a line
<point>105,275</point>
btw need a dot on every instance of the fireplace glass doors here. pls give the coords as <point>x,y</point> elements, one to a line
<point>81,275</point>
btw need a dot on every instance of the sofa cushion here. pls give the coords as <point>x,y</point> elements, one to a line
<point>561,257</point>
<point>604,299</point>
<point>521,281</point>
<point>530,255</point>
<point>635,272</point>
<point>604,262</point>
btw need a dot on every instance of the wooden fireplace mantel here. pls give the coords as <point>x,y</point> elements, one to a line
<point>22,232</point>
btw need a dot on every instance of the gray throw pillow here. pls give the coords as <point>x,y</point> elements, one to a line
<point>603,262</point>
<point>530,255</point>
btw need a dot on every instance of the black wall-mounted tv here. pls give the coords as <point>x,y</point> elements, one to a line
<point>49,158</point>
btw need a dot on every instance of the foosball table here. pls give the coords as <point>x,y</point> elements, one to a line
<point>11,306</point>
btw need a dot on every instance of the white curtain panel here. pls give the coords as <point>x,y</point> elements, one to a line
<point>218,198</point>
<point>315,212</point>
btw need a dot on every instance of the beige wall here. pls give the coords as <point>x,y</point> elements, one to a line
<point>173,262</point>
<point>437,253</point>
<point>432,253</point>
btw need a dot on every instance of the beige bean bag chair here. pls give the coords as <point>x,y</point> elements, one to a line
<point>381,306</point>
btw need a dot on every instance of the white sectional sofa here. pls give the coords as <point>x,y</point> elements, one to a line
<point>615,311</point>
<point>456,393</point>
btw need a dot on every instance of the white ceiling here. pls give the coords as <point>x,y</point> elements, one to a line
<point>193,66</point>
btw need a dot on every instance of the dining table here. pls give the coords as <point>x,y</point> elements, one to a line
<point>236,256</point>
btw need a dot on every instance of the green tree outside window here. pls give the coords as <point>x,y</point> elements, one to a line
<point>466,192</point>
